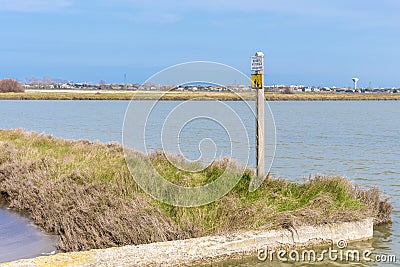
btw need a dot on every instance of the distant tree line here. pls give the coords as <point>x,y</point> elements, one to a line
<point>10,85</point>
<point>45,82</point>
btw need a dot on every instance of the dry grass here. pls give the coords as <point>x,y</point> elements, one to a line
<point>83,192</point>
<point>174,95</point>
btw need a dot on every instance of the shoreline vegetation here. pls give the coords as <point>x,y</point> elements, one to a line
<point>83,192</point>
<point>179,95</point>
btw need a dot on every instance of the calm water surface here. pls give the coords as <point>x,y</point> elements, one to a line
<point>356,139</point>
<point>21,239</point>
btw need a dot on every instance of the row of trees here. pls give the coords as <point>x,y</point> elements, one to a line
<point>47,80</point>
<point>10,85</point>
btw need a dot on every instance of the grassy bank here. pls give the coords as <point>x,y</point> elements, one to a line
<point>173,95</point>
<point>83,192</point>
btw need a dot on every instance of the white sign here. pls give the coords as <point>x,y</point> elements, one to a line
<point>256,63</point>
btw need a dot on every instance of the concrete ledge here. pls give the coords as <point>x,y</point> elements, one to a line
<point>206,249</point>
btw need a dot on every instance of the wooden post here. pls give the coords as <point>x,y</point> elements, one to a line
<point>260,98</point>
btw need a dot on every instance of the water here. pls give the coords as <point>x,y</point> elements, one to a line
<point>19,238</point>
<point>356,139</point>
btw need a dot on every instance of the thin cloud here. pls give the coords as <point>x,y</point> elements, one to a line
<point>305,7</point>
<point>383,12</point>
<point>33,5</point>
<point>161,18</point>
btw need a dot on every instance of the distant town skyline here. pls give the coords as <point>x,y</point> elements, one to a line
<point>57,84</point>
<point>310,42</point>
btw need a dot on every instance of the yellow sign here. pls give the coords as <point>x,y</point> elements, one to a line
<point>256,81</point>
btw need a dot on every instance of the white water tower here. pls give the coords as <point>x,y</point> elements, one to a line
<point>355,80</point>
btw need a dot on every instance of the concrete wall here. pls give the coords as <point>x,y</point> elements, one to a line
<point>206,249</point>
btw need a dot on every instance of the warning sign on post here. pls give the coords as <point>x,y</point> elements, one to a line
<point>256,81</point>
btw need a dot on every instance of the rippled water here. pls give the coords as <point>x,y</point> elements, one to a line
<point>356,139</point>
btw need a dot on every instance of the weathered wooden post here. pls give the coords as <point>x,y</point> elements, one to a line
<point>257,82</point>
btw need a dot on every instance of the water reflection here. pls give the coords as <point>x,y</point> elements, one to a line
<point>19,238</point>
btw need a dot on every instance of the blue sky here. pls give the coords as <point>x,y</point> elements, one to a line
<point>311,42</point>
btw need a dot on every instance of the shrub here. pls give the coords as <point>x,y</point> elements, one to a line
<point>287,90</point>
<point>10,85</point>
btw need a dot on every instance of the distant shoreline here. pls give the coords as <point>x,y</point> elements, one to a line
<point>179,95</point>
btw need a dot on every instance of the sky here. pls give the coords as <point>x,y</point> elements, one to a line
<point>309,42</point>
